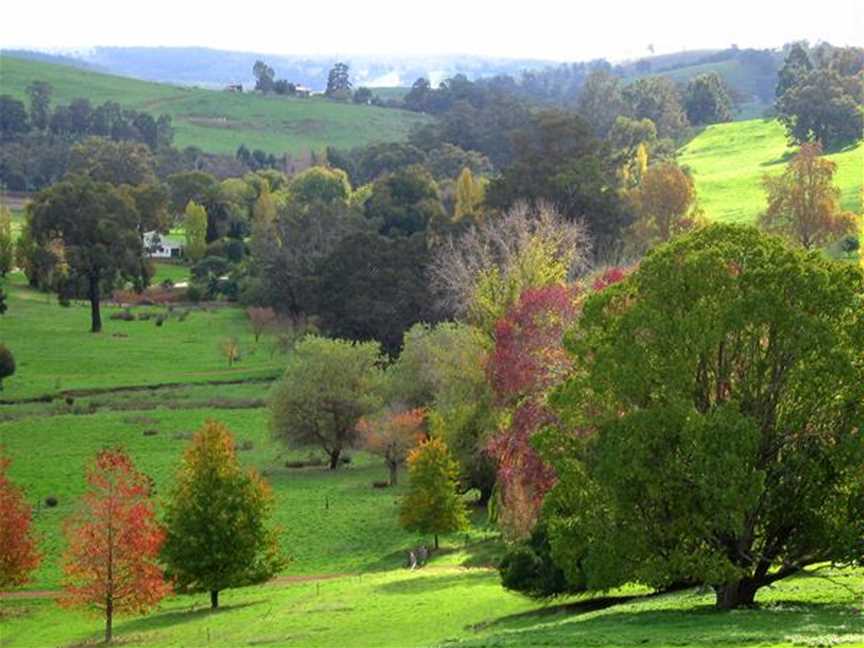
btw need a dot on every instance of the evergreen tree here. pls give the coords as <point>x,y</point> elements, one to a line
<point>338,82</point>
<point>433,504</point>
<point>217,519</point>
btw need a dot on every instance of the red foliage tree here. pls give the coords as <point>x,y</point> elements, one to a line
<point>18,553</point>
<point>608,277</point>
<point>113,542</point>
<point>528,360</point>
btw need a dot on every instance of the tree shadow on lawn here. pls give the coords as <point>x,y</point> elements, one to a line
<point>484,553</point>
<point>174,617</point>
<point>790,153</point>
<point>430,582</point>
<point>702,625</point>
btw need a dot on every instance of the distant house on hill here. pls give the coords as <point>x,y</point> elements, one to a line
<point>160,246</point>
<point>302,91</point>
<point>234,87</point>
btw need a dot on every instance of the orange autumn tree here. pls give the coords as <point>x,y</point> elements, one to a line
<point>113,542</point>
<point>18,553</point>
<point>803,202</point>
<point>392,435</point>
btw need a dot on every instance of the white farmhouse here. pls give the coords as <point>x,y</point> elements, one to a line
<point>161,246</point>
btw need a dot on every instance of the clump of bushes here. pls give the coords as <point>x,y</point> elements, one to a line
<point>151,432</point>
<point>124,315</point>
<point>51,501</point>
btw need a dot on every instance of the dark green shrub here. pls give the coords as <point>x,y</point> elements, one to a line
<point>7,364</point>
<point>527,568</point>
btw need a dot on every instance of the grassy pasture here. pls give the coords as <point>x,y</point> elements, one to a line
<point>446,605</point>
<point>728,162</point>
<point>219,122</point>
<point>55,352</point>
<point>332,522</point>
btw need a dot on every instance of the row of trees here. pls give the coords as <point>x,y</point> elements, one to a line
<point>215,533</point>
<point>80,118</point>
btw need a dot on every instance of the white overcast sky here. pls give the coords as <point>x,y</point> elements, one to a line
<point>574,30</point>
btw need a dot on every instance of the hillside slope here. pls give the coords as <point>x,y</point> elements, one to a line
<point>728,162</point>
<point>219,122</point>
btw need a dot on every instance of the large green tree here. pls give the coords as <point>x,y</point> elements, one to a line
<point>328,386</point>
<point>558,160</point>
<point>405,202</point>
<point>217,518</point>
<point>98,228</point>
<point>712,431</point>
<point>823,107</point>
<point>371,287</point>
<point>707,100</point>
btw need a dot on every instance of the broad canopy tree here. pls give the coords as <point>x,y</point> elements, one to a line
<point>713,432</point>
<point>328,386</point>
<point>97,226</point>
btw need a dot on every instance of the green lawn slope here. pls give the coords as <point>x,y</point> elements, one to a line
<point>216,121</point>
<point>728,162</point>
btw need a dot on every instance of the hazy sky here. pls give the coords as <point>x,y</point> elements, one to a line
<point>573,30</point>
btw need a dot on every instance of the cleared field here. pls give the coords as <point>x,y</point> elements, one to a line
<point>219,122</point>
<point>728,162</point>
<point>55,352</point>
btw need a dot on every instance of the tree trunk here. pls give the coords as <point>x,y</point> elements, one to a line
<point>109,618</point>
<point>436,542</point>
<point>95,314</point>
<point>394,469</point>
<point>334,458</point>
<point>737,594</point>
<point>214,599</point>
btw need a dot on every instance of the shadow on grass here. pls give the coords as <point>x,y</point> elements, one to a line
<point>782,159</point>
<point>790,153</point>
<point>175,617</point>
<point>484,553</point>
<point>701,625</point>
<point>429,582</point>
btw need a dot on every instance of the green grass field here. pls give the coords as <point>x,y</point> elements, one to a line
<point>55,352</point>
<point>447,605</point>
<point>219,122</point>
<point>728,162</point>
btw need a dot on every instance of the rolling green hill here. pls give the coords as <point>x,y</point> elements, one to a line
<point>219,122</point>
<point>728,162</point>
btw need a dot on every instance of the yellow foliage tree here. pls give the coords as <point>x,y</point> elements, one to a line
<point>433,504</point>
<point>470,193</point>
<point>804,204</point>
<point>664,204</point>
